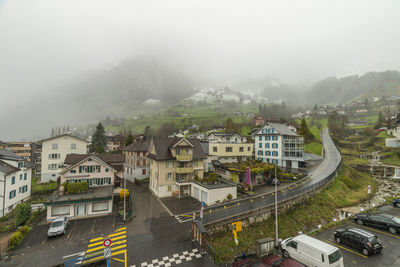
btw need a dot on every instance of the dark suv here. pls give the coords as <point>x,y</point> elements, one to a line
<point>359,239</point>
<point>396,202</point>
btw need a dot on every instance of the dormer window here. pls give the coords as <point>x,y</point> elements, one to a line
<point>20,164</point>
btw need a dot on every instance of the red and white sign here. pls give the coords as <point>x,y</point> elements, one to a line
<point>107,242</point>
<point>369,189</point>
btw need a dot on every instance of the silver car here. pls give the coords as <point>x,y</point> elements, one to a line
<point>58,227</point>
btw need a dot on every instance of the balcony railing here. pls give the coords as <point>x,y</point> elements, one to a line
<point>184,169</point>
<point>184,180</point>
<point>184,157</point>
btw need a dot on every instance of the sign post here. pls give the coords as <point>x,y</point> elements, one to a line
<point>201,211</point>
<point>369,192</point>
<point>107,250</point>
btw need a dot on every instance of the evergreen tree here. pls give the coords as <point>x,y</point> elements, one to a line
<point>315,107</point>
<point>99,140</point>
<point>304,131</point>
<point>230,126</point>
<point>147,131</point>
<point>129,140</point>
<point>381,120</point>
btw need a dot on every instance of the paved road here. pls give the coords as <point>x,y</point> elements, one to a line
<point>316,179</point>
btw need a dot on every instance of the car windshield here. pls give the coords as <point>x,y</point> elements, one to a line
<point>56,224</point>
<point>335,256</point>
<point>372,239</point>
<point>396,219</point>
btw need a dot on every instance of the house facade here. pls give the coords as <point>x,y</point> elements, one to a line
<point>115,142</point>
<point>15,180</point>
<point>54,151</point>
<point>96,201</point>
<point>137,165</point>
<point>174,163</point>
<point>278,144</point>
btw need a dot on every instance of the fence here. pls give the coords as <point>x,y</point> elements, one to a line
<point>260,204</point>
<point>210,251</point>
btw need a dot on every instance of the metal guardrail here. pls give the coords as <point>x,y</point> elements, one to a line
<point>259,204</point>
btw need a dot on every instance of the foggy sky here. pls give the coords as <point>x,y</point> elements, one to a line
<point>44,43</point>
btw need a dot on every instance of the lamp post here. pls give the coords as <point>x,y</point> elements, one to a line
<point>124,198</point>
<point>276,209</point>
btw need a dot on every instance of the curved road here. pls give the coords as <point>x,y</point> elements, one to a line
<point>318,177</point>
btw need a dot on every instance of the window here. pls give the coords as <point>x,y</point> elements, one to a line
<point>144,154</point>
<point>138,163</point>
<point>248,148</point>
<point>54,146</point>
<point>169,176</point>
<point>100,206</point>
<point>138,154</point>
<point>266,145</point>
<point>54,156</point>
<point>72,171</point>
<point>170,164</point>
<point>12,194</point>
<point>144,162</point>
<point>228,149</point>
<point>24,188</point>
<point>20,177</point>
<point>260,145</point>
<point>241,149</point>
<point>169,188</point>
<point>24,176</point>
<point>13,180</point>
<point>265,138</point>
<point>20,165</point>
<point>143,171</point>
<point>106,170</point>
<point>60,210</point>
<point>260,138</point>
<point>292,244</point>
<point>73,146</point>
<point>20,190</point>
<point>215,149</point>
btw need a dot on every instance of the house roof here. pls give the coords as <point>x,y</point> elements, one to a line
<point>7,168</point>
<point>107,158</point>
<point>70,135</point>
<point>95,157</point>
<point>163,145</point>
<point>281,129</point>
<point>139,146</point>
<point>223,134</point>
<point>97,193</point>
<point>206,147</point>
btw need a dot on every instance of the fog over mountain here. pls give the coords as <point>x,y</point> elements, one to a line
<point>72,61</point>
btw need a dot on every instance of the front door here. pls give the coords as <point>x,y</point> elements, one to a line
<point>80,209</point>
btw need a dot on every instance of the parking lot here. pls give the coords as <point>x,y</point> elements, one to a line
<point>38,250</point>
<point>390,255</point>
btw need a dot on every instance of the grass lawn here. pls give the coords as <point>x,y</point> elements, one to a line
<point>348,189</point>
<point>355,160</point>
<point>314,148</point>
<point>392,160</point>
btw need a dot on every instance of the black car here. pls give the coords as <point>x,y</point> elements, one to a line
<point>396,202</point>
<point>383,221</point>
<point>359,239</point>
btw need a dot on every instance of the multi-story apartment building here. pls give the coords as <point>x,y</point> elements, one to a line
<point>15,180</point>
<point>136,162</point>
<point>221,137</point>
<point>229,147</point>
<point>24,150</point>
<point>98,172</point>
<point>115,142</point>
<point>278,144</point>
<point>174,163</point>
<point>54,151</point>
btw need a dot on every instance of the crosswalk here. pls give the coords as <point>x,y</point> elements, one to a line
<point>174,259</point>
<point>183,218</point>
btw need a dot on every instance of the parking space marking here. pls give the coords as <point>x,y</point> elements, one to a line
<point>93,226</point>
<point>69,234</point>
<point>372,229</point>
<point>336,245</point>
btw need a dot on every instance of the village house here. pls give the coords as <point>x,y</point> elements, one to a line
<point>100,172</point>
<point>15,180</point>
<point>136,162</point>
<point>258,121</point>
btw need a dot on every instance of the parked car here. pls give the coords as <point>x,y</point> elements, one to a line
<point>249,263</point>
<point>273,181</point>
<point>396,202</point>
<point>311,251</point>
<point>383,221</point>
<point>58,227</point>
<point>359,239</point>
<point>278,261</point>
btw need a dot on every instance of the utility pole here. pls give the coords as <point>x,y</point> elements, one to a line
<point>124,198</point>
<point>276,209</point>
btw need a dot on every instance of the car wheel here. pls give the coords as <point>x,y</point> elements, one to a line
<point>360,222</point>
<point>365,251</point>
<point>338,240</point>
<point>398,204</point>
<point>392,230</point>
<point>285,254</point>
<point>65,231</point>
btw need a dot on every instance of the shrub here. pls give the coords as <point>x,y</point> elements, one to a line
<point>4,218</point>
<point>80,187</point>
<point>22,213</point>
<point>229,196</point>
<point>15,239</point>
<point>33,217</point>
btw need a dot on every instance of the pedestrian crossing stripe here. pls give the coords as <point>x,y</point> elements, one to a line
<point>95,251</point>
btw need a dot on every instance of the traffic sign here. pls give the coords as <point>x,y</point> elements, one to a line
<point>202,203</point>
<point>369,189</point>
<point>107,252</point>
<point>107,242</point>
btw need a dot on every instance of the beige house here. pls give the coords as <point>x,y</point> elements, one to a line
<point>174,163</point>
<point>54,151</point>
<point>100,176</point>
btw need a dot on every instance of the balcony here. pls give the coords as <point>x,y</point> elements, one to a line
<point>186,180</point>
<point>184,157</point>
<point>184,169</point>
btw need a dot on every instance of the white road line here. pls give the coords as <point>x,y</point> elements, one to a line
<point>76,254</point>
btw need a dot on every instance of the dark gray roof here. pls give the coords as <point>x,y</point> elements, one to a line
<point>63,135</point>
<point>9,154</point>
<point>205,147</point>
<point>7,168</point>
<point>163,145</point>
<point>282,129</point>
<point>140,146</point>
<point>223,134</point>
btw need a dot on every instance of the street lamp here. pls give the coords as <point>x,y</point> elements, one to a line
<point>124,198</point>
<point>276,208</point>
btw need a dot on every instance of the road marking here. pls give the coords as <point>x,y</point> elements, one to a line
<point>69,234</point>
<point>186,215</point>
<point>93,226</point>
<point>102,246</point>
<point>118,260</point>
<point>372,229</point>
<point>120,229</point>
<point>76,254</point>
<point>118,233</point>
<point>96,239</point>
<point>336,245</point>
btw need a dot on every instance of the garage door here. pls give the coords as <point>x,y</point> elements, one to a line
<point>204,196</point>
<point>196,193</point>
<point>59,210</point>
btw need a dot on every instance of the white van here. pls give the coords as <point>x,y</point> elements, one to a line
<point>312,252</point>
